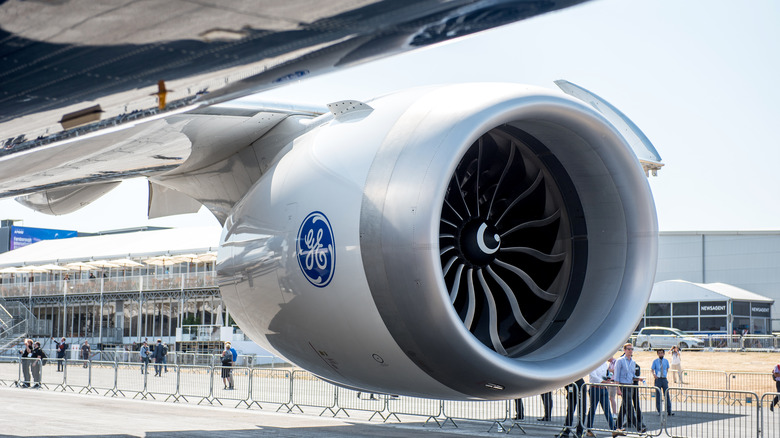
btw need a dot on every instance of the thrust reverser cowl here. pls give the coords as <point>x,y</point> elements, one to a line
<point>463,241</point>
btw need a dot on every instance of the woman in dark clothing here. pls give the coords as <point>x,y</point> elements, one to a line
<point>26,351</point>
<point>37,365</point>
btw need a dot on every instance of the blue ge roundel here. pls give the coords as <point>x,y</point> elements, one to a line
<point>316,250</point>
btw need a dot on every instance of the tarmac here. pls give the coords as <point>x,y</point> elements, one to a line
<point>52,413</point>
<point>29,412</point>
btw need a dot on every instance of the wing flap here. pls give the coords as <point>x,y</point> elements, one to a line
<point>64,200</point>
<point>167,202</point>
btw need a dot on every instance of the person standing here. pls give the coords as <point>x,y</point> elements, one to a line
<point>165,357</point>
<point>62,350</point>
<point>612,390</point>
<point>159,356</point>
<point>625,369</point>
<point>776,376</point>
<point>25,352</point>
<point>38,355</point>
<point>85,352</point>
<point>227,363</point>
<point>519,410</point>
<point>233,352</point>
<point>547,403</point>
<point>600,396</point>
<point>676,364</point>
<point>573,391</point>
<point>145,354</point>
<point>660,369</point>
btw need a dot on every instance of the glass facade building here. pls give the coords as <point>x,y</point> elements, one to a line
<point>708,308</point>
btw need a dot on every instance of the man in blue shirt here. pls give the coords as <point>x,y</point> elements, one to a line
<point>625,374</point>
<point>660,369</point>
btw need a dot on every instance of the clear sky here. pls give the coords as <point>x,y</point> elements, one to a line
<point>697,76</point>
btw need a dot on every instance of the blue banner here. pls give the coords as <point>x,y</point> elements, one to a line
<point>23,236</point>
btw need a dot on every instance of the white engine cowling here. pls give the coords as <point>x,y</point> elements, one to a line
<point>462,241</point>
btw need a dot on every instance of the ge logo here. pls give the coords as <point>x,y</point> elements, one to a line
<point>316,251</point>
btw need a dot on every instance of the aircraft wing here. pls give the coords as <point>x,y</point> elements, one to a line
<point>97,93</point>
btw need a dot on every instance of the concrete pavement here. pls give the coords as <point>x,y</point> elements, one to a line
<point>28,412</point>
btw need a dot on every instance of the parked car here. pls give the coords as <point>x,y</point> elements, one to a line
<point>665,337</point>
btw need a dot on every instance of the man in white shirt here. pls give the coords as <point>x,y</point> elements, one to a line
<point>600,396</point>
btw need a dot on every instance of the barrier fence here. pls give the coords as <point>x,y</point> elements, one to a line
<point>770,425</point>
<point>351,400</point>
<point>701,415</point>
<point>712,342</point>
<point>737,411</point>
<point>756,382</point>
<point>9,370</point>
<point>308,390</point>
<point>271,386</point>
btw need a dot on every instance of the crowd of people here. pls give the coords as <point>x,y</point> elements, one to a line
<point>615,378</point>
<point>31,351</point>
<point>34,358</point>
<point>31,369</point>
<point>158,353</point>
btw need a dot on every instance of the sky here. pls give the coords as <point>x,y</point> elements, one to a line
<point>697,76</point>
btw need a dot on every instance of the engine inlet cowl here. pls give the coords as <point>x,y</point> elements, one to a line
<point>506,234</point>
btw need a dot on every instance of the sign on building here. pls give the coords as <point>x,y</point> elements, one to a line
<point>23,236</point>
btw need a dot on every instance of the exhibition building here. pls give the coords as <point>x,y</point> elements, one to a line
<point>120,287</point>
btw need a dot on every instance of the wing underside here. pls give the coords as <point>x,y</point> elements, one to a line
<point>99,93</point>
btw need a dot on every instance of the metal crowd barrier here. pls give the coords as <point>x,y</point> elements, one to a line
<point>494,412</point>
<point>728,342</point>
<point>758,343</point>
<point>350,400</point>
<point>9,370</point>
<point>697,412</point>
<point>241,391</point>
<point>595,398</point>
<point>128,381</point>
<point>102,377</point>
<point>546,410</point>
<point>271,386</point>
<point>308,390</point>
<point>32,374</point>
<point>754,382</point>
<point>420,407</point>
<point>637,409</point>
<point>75,375</point>
<point>194,382</point>
<point>700,379</point>
<point>770,424</point>
<point>701,415</point>
<point>162,385</point>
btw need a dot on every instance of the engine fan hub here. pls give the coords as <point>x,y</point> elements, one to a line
<point>479,242</point>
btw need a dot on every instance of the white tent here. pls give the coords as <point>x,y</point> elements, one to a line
<point>708,307</point>
<point>114,246</point>
<point>677,291</point>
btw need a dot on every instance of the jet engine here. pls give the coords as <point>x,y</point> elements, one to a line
<point>475,241</point>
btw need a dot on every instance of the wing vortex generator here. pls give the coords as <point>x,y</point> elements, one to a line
<point>462,241</point>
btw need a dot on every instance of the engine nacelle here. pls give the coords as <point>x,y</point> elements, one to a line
<point>463,241</point>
